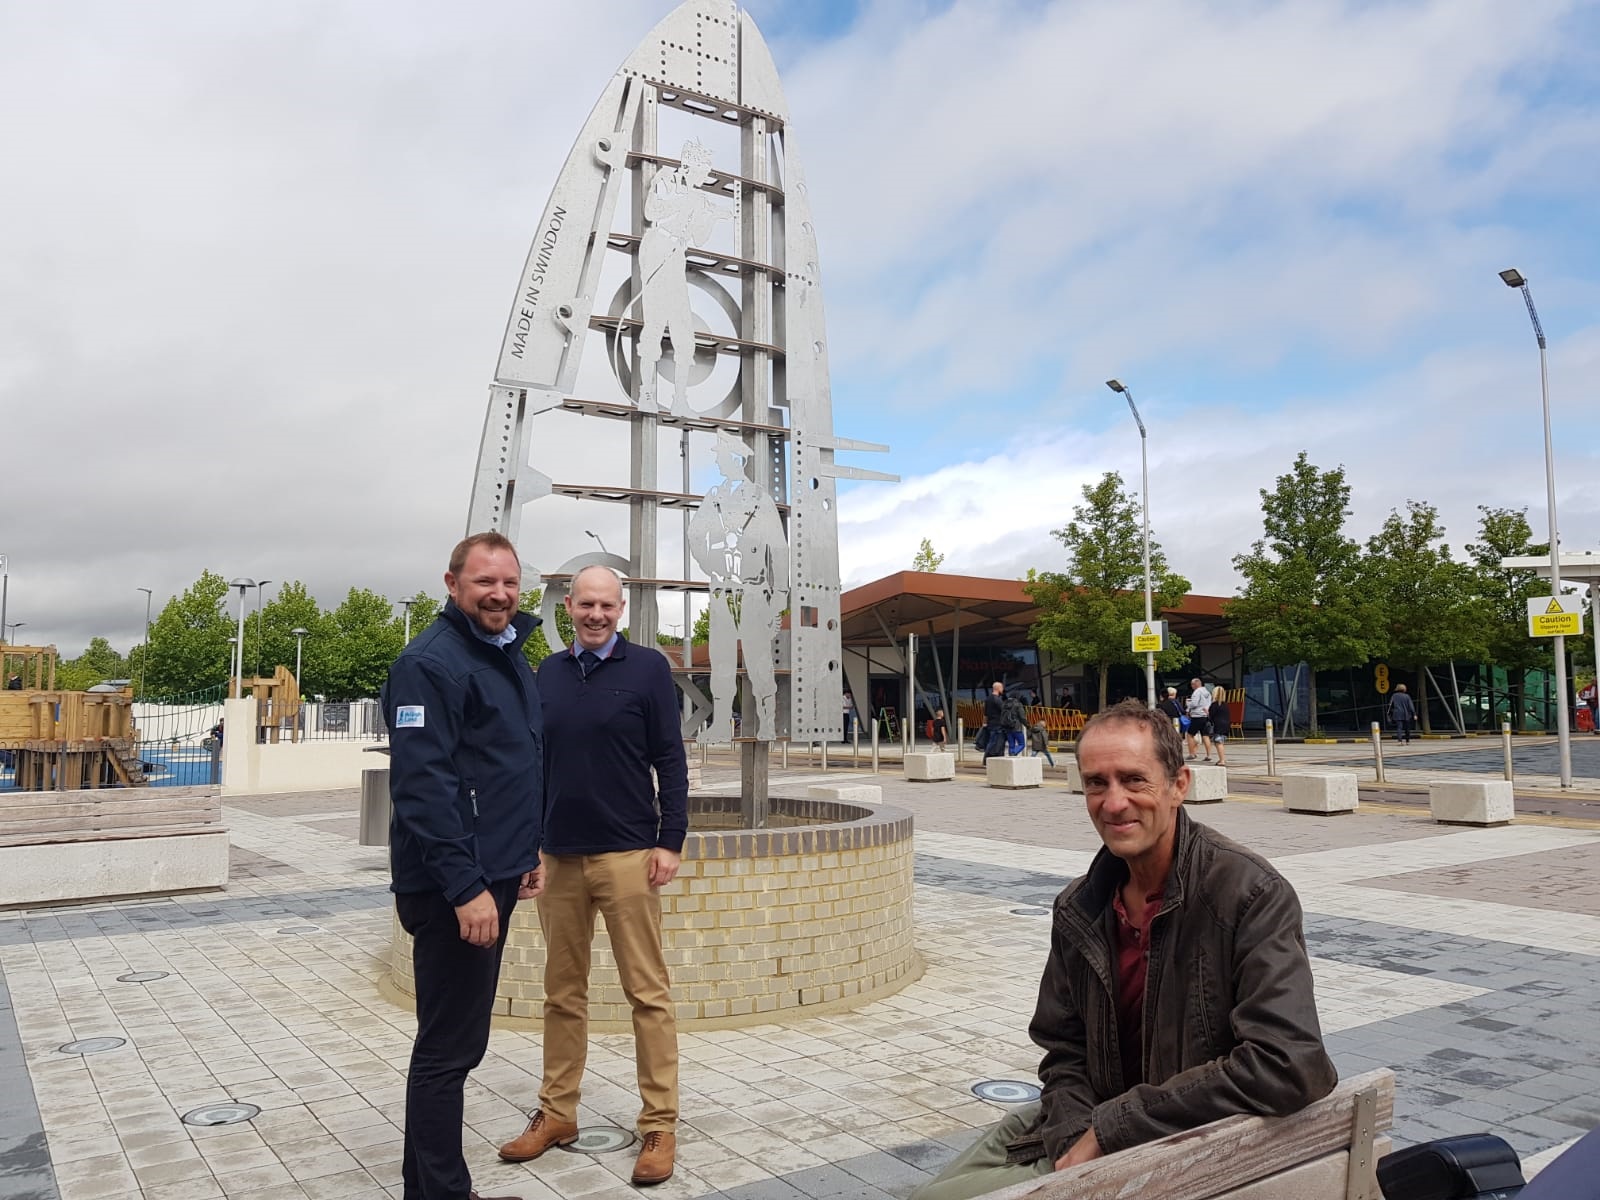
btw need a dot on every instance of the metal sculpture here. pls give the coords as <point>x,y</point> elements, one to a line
<point>705,65</point>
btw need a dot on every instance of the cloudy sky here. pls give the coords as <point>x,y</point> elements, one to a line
<point>255,261</point>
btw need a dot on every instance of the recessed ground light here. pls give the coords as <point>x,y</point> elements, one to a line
<point>1030,912</point>
<point>1005,1091</point>
<point>93,1045</point>
<point>220,1114</point>
<point>141,976</point>
<point>600,1139</point>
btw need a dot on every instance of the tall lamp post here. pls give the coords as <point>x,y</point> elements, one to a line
<point>145,657</point>
<point>261,596</point>
<point>242,584</point>
<point>299,632</point>
<point>1144,466</point>
<point>405,604</point>
<point>5,593</point>
<point>1514,278</point>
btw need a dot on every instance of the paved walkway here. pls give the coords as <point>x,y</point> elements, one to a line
<point>1464,959</point>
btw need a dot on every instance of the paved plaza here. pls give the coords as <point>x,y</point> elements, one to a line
<point>1465,959</point>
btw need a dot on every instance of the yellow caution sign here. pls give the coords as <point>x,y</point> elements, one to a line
<point>1149,637</point>
<point>1554,616</point>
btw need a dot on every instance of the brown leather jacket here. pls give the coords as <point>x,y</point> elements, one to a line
<point>1230,1022</point>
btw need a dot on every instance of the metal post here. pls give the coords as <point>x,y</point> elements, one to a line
<point>824,744</point>
<point>785,753</point>
<point>908,735</point>
<point>961,741</point>
<point>144,658</point>
<point>1272,751</point>
<point>261,595</point>
<point>1515,279</point>
<point>1505,749</point>
<point>1377,750</point>
<point>874,746</point>
<point>1144,466</point>
<point>855,734</point>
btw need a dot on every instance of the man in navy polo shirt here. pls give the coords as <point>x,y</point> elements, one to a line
<point>612,841</point>
<point>466,781</point>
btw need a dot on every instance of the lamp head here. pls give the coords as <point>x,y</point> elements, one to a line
<point>241,583</point>
<point>1513,278</point>
<point>299,631</point>
<point>1116,386</point>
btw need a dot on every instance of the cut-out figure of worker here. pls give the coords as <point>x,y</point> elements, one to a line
<point>677,215</point>
<point>738,539</point>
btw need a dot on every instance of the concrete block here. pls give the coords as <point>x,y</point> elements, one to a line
<point>1320,792</point>
<point>1014,772</point>
<point>1207,784</point>
<point>1074,776</point>
<point>114,867</point>
<point>848,793</point>
<point>928,766</point>
<point>1471,801</point>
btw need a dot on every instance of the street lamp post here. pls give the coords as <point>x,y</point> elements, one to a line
<point>238,646</point>
<point>5,593</point>
<point>261,595</point>
<point>299,632</point>
<point>145,657</point>
<point>1144,466</point>
<point>405,604</point>
<point>1513,278</point>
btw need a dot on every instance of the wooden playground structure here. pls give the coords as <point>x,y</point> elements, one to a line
<point>59,740</point>
<point>65,741</point>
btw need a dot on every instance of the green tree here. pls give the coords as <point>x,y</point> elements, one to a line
<point>363,640</point>
<point>1303,599</point>
<point>1505,533</point>
<point>926,559</point>
<point>1086,611</point>
<point>98,663</point>
<point>189,648</point>
<point>292,608</point>
<point>536,649</point>
<point>1427,607</point>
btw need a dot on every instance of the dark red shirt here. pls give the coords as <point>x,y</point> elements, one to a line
<point>1133,964</point>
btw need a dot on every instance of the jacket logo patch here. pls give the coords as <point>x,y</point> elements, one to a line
<point>408,716</point>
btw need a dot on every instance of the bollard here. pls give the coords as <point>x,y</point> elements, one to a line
<point>1272,751</point>
<point>855,734</point>
<point>824,745</point>
<point>784,754</point>
<point>961,741</point>
<point>1377,750</point>
<point>705,752</point>
<point>1505,748</point>
<point>874,747</point>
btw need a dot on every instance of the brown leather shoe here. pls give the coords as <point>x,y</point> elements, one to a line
<point>655,1158</point>
<point>542,1133</point>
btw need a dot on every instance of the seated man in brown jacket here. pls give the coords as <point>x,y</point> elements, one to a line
<point>1178,990</point>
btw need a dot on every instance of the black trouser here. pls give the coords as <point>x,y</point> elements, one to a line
<point>456,983</point>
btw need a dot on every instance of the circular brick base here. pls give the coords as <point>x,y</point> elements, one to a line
<point>812,914</point>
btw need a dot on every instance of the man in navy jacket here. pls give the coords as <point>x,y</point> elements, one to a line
<point>612,841</point>
<point>466,782</point>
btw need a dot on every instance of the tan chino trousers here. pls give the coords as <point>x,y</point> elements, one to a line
<point>617,886</point>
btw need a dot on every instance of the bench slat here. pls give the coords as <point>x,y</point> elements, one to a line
<point>106,835</point>
<point>106,820</point>
<point>1223,1157</point>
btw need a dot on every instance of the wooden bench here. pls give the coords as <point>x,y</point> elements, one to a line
<point>120,842</point>
<point>1328,1151</point>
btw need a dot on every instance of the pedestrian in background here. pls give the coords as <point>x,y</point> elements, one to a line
<point>1402,713</point>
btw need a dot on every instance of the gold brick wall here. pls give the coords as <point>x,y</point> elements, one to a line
<point>749,936</point>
